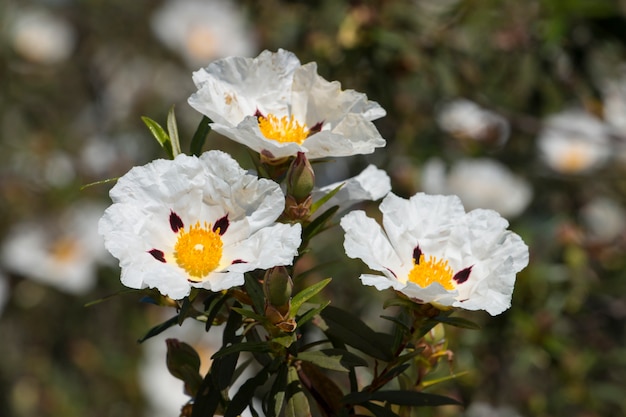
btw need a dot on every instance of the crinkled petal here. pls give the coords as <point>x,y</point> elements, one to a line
<point>233,88</point>
<point>365,239</point>
<point>371,184</point>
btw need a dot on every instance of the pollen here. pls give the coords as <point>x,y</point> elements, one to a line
<point>427,271</point>
<point>198,250</point>
<point>285,129</point>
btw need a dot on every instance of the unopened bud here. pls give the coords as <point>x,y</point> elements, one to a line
<point>277,286</point>
<point>300,178</point>
<point>183,362</point>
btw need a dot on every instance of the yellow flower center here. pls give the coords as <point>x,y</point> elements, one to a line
<point>428,271</point>
<point>199,250</point>
<point>574,159</point>
<point>285,129</point>
<point>65,249</point>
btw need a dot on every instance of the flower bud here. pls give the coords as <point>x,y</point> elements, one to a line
<point>277,286</point>
<point>183,362</point>
<point>300,178</point>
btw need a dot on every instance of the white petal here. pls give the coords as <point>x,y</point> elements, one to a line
<point>371,184</point>
<point>364,239</point>
<point>271,246</point>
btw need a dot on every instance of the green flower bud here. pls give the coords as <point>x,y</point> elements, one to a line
<point>277,286</point>
<point>300,178</point>
<point>183,362</point>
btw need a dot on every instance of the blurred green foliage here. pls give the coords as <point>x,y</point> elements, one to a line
<point>561,348</point>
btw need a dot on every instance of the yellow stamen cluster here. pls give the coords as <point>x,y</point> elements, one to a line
<point>428,271</point>
<point>198,251</point>
<point>285,129</point>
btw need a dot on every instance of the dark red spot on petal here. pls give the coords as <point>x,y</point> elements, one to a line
<point>462,276</point>
<point>392,273</point>
<point>316,128</point>
<point>221,224</point>
<point>417,252</point>
<point>258,114</point>
<point>157,254</point>
<point>176,223</point>
<point>238,261</point>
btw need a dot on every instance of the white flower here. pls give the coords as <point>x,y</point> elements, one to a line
<point>467,120</point>
<point>202,31</point>
<point>432,251</point>
<point>63,253</point>
<point>480,183</point>
<point>573,141</point>
<point>278,107</point>
<point>604,218</point>
<point>195,222</point>
<point>370,185</point>
<point>41,37</point>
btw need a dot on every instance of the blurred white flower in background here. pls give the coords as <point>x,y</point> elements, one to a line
<point>614,103</point>
<point>61,252</point>
<point>40,36</point>
<point>574,141</point>
<point>480,183</point>
<point>604,218</point>
<point>202,31</point>
<point>467,121</point>
<point>482,409</point>
<point>164,393</point>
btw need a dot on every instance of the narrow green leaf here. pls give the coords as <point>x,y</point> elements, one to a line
<point>91,184</point>
<point>199,137</point>
<point>243,347</point>
<point>297,402</point>
<point>348,359</point>
<point>321,359</point>
<point>213,307</point>
<point>431,382</point>
<point>311,313</point>
<point>276,394</point>
<point>160,135</point>
<point>208,399</point>
<point>255,291</point>
<point>250,314</point>
<point>317,225</point>
<point>411,398</point>
<point>352,331</point>
<point>379,411</point>
<point>306,294</point>
<point>244,396</point>
<point>160,328</point>
<point>172,129</point>
<point>319,203</point>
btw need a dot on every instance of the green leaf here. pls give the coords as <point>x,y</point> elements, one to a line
<point>250,314</point>
<point>199,137</point>
<point>431,382</point>
<point>213,307</point>
<point>352,331</point>
<point>91,184</point>
<point>319,203</point>
<point>275,398</point>
<point>323,360</point>
<point>311,313</point>
<point>457,322</point>
<point>160,328</point>
<point>411,398</point>
<point>297,403</point>
<point>325,391</point>
<point>317,225</point>
<point>208,399</point>
<point>379,411</point>
<point>255,291</point>
<point>243,347</point>
<point>160,135</point>
<point>305,295</point>
<point>172,129</point>
<point>244,396</point>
